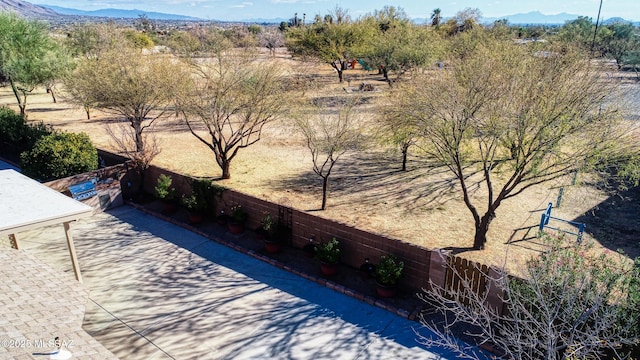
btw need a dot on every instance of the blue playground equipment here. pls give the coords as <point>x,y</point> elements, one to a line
<point>546,216</point>
<point>364,65</point>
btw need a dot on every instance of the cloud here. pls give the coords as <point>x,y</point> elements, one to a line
<point>188,2</point>
<point>243,5</point>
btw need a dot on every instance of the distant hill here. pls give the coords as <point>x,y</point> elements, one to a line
<point>26,9</point>
<point>30,10</point>
<point>614,20</point>
<point>265,21</point>
<point>535,17</point>
<point>119,13</point>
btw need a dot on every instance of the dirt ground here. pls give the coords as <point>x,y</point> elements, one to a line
<point>368,190</point>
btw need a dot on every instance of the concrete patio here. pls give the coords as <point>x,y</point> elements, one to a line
<point>158,291</point>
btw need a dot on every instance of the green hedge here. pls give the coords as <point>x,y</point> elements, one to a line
<point>16,135</point>
<point>59,155</point>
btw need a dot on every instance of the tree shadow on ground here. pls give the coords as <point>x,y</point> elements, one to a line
<point>526,237</point>
<point>103,119</point>
<point>44,110</point>
<point>181,287</point>
<point>615,222</point>
<point>455,250</point>
<point>377,179</point>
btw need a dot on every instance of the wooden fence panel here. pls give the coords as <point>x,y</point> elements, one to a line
<point>465,278</point>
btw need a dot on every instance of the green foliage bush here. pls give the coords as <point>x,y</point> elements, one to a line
<point>58,155</point>
<point>164,191</point>
<point>389,270</point>
<point>191,202</point>
<point>12,126</point>
<point>207,194</point>
<point>329,252</point>
<point>238,214</point>
<point>17,134</point>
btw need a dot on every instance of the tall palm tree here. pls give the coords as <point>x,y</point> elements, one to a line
<point>436,17</point>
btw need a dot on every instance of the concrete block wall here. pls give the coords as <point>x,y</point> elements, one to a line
<point>421,264</point>
<point>180,182</point>
<point>356,244</point>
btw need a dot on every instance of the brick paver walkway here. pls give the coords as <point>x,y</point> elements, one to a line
<point>39,303</point>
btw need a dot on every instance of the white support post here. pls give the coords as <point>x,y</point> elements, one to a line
<point>72,252</point>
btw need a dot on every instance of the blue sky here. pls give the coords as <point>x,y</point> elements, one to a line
<point>231,10</point>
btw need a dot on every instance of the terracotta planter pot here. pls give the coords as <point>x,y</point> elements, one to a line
<point>386,291</point>
<point>235,228</point>
<point>260,234</point>
<point>272,247</point>
<point>309,250</point>
<point>222,220</point>
<point>195,218</point>
<point>169,207</point>
<point>329,269</point>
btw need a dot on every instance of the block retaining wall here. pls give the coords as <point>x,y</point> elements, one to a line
<point>421,264</point>
<point>356,244</point>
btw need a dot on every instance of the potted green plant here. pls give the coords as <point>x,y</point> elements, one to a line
<point>329,254</point>
<point>238,217</point>
<point>195,207</point>
<point>387,273</point>
<point>269,233</point>
<point>166,193</point>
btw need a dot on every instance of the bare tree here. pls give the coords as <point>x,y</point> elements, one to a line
<point>468,18</point>
<point>329,136</point>
<point>123,138</point>
<point>399,130</point>
<point>231,103</point>
<point>272,39</point>
<point>572,304</point>
<point>90,40</point>
<point>139,88</point>
<point>507,118</point>
<point>78,94</point>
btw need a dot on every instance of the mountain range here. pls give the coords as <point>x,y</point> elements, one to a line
<point>534,17</point>
<point>26,9</point>
<point>119,13</point>
<point>30,10</point>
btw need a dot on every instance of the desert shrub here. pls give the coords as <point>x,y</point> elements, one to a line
<point>139,40</point>
<point>59,155</point>
<point>574,303</point>
<point>594,297</point>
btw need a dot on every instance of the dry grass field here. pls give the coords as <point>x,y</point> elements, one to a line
<point>421,206</point>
